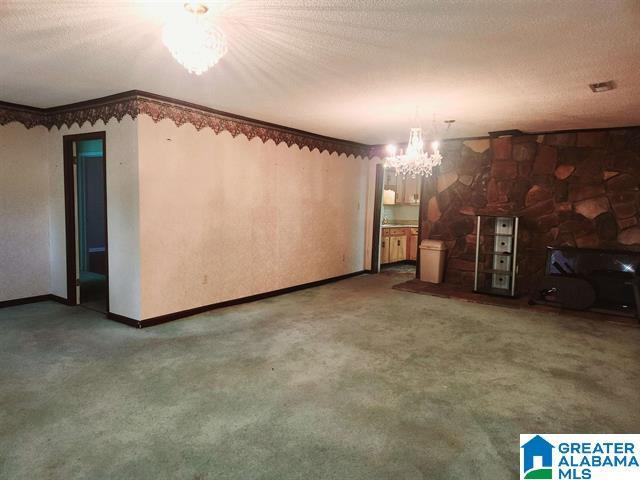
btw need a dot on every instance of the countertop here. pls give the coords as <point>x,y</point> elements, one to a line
<point>391,225</point>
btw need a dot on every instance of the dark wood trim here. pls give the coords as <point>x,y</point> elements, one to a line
<point>516,132</point>
<point>378,149</point>
<point>161,98</point>
<point>34,299</point>
<point>422,182</point>
<point>69,218</point>
<point>18,106</point>
<point>24,300</point>
<point>377,213</point>
<point>90,103</point>
<point>39,116</point>
<point>106,219</point>
<point>58,299</point>
<point>148,322</point>
<point>503,133</point>
<point>125,320</point>
<point>256,122</point>
<point>463,139</point>
<point>582,130</point>
<point>70,209</point>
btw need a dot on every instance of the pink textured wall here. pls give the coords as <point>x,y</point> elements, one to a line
<point>24,212</point>
<point>223,218</point>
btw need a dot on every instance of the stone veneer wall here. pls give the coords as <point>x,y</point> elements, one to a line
<point>579,189</point>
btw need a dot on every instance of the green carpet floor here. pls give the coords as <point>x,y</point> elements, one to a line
<point>352,380</point>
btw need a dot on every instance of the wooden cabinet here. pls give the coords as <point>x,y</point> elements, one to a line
<point>397,248</point>
<point>407,190</point>
<point>411,191</point>
<point>398,244</point>
<point>390,178</point>
<point>394,182</point>
<point>384,249</point>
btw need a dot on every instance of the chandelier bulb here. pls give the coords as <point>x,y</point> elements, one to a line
<point>193,40</point>
<point>196,8</point>
<point>414,161</point>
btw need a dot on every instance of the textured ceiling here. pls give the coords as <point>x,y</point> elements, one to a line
<point>350,69</point>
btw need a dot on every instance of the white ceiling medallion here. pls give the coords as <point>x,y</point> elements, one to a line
<point>193,39</point>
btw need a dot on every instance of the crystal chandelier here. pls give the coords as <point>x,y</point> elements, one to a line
<point>415,161</point>
<point>193,40</point>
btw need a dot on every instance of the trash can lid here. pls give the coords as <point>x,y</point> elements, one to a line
<point>432,245</point>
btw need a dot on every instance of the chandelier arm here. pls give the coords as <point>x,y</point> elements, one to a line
<point>415,161</point>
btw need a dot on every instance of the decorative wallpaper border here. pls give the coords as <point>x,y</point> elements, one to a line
<point>27,116</point>
<point>158,108</point>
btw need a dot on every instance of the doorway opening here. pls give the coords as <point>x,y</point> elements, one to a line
<point>396,222</point>
<point>86,220</point>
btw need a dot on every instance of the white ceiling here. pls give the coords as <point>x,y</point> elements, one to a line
<point>349,69</point>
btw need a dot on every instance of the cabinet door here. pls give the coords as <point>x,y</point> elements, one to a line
<point>393,249</point>
<point>384,250</point>
<point>398,248</point>
<point>400,190</point>
<point>411,193</point>
<point>391,243</point>
<point>390,178</point>
<point>393,182</point>
<point>402,248</point>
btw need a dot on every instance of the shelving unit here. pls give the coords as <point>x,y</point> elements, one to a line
<point>496,265</point>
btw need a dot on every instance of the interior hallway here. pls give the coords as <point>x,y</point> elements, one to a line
<point>352,380</point>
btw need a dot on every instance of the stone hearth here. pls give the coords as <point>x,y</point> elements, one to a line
<point>578,189</point>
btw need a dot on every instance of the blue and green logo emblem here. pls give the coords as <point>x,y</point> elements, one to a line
<point>537,459</point>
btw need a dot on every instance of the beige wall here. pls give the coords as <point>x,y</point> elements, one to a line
<point>194,218</point>
<point>223,218</point>
<point>24,212</point>
<point>122,212</point>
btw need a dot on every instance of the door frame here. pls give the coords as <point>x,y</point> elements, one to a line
<point>377,215</point>
<point>70,210</point>
<point>421,215</point>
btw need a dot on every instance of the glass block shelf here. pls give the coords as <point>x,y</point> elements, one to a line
<point>496,270</point>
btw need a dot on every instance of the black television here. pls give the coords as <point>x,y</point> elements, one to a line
<point>614,274</point>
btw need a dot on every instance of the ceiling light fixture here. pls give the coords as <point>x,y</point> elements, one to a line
<point>193,40</point>
<point>415,161</point>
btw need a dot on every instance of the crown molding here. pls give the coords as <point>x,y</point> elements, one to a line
<point>157,107</point>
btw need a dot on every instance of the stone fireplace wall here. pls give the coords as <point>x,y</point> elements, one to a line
<point>579,189</point>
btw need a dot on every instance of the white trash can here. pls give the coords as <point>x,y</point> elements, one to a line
<point>432,257</point>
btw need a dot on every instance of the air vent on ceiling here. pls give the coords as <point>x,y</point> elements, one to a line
<point>602,86</point>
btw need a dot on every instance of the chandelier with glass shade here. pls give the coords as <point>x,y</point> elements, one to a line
<point>415,160</point>
<point>193,39</point>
